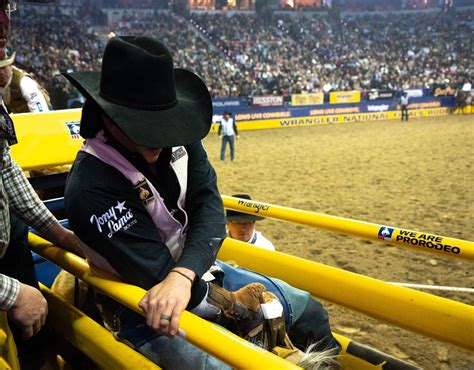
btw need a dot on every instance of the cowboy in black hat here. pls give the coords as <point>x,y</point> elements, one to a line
<point>143,196</point>
<point>241,226</point>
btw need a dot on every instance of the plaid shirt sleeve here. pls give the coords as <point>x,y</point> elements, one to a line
<point>21,196</point>
<point>9,289</point>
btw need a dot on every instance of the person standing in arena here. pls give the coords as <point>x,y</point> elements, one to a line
<point>20,297</point>
<point>20,92</point>
<point>404,101</point>
<point>143,196</point>
<point>228,131</point>
<point>241,226</point>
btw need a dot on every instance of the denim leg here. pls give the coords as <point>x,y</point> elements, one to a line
<point>178,354</point>
<point>306,319</point>
<point>293,299</point>
<point>223,146</point>
<point>231,144</point>
<point>174,353</point>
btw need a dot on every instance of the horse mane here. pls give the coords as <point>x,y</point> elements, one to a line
<point>319,360</point>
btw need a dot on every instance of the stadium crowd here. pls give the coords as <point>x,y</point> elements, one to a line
<point>287,54</point>
<point>246,54</point>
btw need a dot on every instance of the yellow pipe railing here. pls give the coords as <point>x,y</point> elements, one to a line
<point>416,240</point>
<point>8,353</point>
<point>356,356</point>
<point>89,337</point>
<point>423,313</point>
<point>211,338</point>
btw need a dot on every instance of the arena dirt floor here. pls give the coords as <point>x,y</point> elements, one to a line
<point>416,175</point>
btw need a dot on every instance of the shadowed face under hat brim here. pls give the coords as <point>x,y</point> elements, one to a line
<point>186,122</point>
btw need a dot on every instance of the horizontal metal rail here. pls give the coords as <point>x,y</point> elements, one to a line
<point>211,338</point>
<point>8,353</point>
<point>92,339</point>
<point>415,240</point>
<point>423,313</point>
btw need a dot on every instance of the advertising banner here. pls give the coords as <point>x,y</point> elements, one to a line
<point>272,117</point>
<point>380,94</point>
<point>442,91</point>
<point>307,99</point>
<point>414,93</point>
<point>228,103</point>
<point>338,97</point>
<point>267,101</point>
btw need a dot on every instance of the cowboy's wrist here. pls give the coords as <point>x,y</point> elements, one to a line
<point>185,273</point>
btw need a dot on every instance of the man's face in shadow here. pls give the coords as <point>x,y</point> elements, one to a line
<point>241,230</point>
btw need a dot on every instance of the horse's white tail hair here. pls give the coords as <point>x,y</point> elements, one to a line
<point>319,360</point>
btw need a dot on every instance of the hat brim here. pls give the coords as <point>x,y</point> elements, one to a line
<point>242,217</point>
<point>188,121</point>
<point>8,60</point>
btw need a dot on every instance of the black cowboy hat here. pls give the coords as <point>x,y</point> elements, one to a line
<point>156,105</point>
<point>234,216</point>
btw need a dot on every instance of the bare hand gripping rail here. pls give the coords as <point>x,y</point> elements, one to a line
<point>209,337</point>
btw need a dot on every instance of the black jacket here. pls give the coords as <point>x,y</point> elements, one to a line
<point>136,250</point>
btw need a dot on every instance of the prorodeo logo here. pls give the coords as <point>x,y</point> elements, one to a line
<point>426,241</point>
<point>112,222</point>
<point>257,207</point>
<point>74,128</point>
<point>385,233</point>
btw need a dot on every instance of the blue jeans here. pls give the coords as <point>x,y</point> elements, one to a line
<point>176,353</point>
<point>305,318</point>
<point>227,139</point>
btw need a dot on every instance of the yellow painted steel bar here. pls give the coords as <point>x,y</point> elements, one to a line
<point>8,353</point>
<point>46,139</point>
<point>423,313</point>
<point>348,362</point>
<point>89,337</point>
<point>356,356</point>
<point>416,240</point>
<point>211,338</point>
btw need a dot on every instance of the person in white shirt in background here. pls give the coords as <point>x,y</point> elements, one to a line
<point>242,226</point>
<point>20,92</point>
<point>404,101</point>
<point>228,131</point>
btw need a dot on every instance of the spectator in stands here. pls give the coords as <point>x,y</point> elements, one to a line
<point>263,56</point>
<point>241,226</point>
<point>20,92</point>
<point>404,101</point>
<point>19,292</point>
<point>228,131</point>
<point>144,196</point>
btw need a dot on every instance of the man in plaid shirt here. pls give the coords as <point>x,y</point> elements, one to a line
<point>19,291</point>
